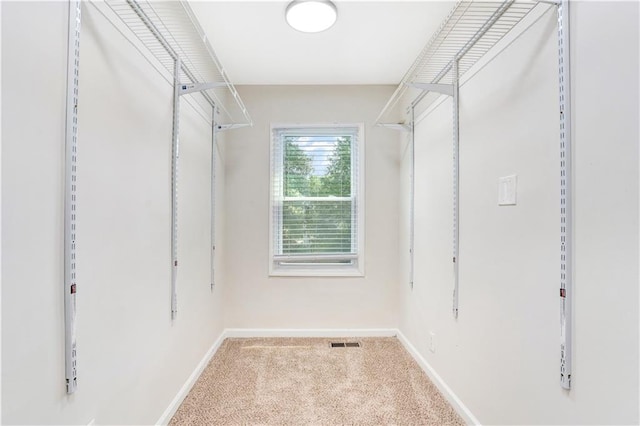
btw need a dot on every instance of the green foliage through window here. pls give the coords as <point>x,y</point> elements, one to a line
<point>317,204</point>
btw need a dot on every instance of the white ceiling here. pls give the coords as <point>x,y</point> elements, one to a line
<point>373,42</point>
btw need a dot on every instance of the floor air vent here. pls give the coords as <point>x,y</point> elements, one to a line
<point>345,345</point>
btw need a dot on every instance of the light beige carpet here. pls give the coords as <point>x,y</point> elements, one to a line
<point>303,381</point>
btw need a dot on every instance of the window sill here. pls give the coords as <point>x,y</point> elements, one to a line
<point>351,272</point>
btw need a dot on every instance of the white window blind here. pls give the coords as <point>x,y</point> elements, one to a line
<point>315,197</point>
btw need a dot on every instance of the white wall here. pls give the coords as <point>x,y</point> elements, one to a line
<point>254,300</point>
<point>132,360</point>
<point>501,356</point>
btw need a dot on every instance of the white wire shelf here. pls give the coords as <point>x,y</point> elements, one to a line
<point>169,31</point>
<point>470,30</point>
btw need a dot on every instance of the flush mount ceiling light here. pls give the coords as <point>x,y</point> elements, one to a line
<point>311,16</point>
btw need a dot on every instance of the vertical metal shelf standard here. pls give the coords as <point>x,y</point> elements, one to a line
<point>412,204</point>
<point>456,183</point>
<point>171,33</point>
<point>566,222</point>
<point>175,156</point>
<point>70,193</point>
<point>470,30</point>
<point>212,218</point>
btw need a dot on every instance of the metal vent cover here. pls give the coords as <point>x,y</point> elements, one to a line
<point>344,344</point>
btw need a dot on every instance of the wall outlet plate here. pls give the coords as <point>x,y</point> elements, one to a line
<point>507,190</point>
<point>432,341</point>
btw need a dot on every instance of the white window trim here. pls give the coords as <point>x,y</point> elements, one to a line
<point>313,270</point>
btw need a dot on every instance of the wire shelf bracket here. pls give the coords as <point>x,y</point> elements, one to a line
<point>198,87</point>
<point>443,89</point>
<point>396,126</point>
<point>224,127</point>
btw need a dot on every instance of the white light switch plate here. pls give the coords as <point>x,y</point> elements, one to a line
<point>507,189</point>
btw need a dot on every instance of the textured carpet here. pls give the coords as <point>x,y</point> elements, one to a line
<point>303,381</point>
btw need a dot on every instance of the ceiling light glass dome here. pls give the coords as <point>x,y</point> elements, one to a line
<point>311,16</point>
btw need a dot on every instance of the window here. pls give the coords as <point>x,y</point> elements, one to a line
<point>316,200</point>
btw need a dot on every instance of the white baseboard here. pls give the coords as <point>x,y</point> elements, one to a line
<point>446,391</point>
<point>312,332</point>
<point>184,391</point>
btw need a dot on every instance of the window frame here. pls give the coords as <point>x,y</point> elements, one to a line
<point>356,269</point>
